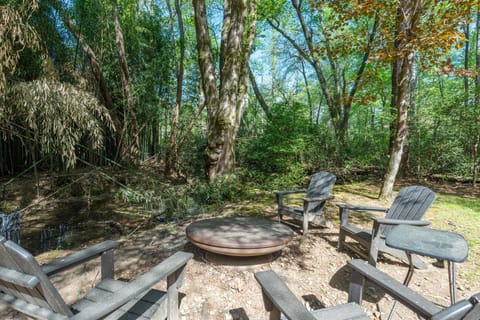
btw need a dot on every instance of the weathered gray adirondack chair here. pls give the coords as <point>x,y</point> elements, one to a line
<point>317,194</point>
<point>409,207</point>
<point>25,286</point>
<point>279,300</point>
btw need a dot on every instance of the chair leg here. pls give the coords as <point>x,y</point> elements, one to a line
<point>343,216</point>
<point>374,244</point>
<point>452,282</point>
<point>406,281</point>
<point>373,253</point>
<point>341,239</point>
<point>305,225</point>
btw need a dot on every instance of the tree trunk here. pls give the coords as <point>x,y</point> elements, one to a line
<point>171,160</point>
<point>466,62</point>
<point>307,89</point>
<point>130,121</point>
<point>408,14</point>
<point>405,162</point>
<point>339,101</point>
<point>259,95</point>
<point>102,85</point>
<point>226,106</point>
<point>476,117</point>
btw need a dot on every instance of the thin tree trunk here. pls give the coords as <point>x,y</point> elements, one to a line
<point>408,14</point>
<point>259,95</point>
<point>339,104</point>
<point>102,85</point>
<point>476,123</point>
<point>307,89</point>
<point>130,122</point>
<point>466,62</point>
<point>171,161</point>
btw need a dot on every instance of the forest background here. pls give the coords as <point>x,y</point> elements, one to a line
<point>217,95</point>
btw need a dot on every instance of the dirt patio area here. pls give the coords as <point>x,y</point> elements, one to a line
<point>311,267</point>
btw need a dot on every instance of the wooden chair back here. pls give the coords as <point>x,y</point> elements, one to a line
<point>21,277</point>
<point>320,185</point>
<point>411,203</point>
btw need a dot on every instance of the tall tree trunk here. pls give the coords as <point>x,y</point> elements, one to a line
<point>404,163</point>
<point>466,61</point>
<point>476,117</point>
<point>130,121</point>
<point>171,160</point>
<point>408,14</point>
<point>226,106</point>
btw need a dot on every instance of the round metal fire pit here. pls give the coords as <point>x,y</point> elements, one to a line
<point>239,236</point>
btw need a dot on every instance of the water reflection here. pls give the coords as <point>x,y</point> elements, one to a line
<point>54,237</point>
<point>11,225</point>
<point>48,238</point>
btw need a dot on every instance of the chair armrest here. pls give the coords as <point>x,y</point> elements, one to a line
<point>287,192</point>
<point>79,257</point>
<point>395,222</point>
<point>398,291</point>
<point>318,199</point>
<point>456,311</point>
<point>361,208</point>
<point>278,296</point>
<point>136,287</point>
<point>344,211</point>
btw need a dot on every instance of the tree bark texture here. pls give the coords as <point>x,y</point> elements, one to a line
<point>130,120</point>
<point>225,104</point>
<point>171,160</point>
<point>408,15</point>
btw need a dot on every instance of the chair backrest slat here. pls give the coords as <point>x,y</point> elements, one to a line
<point>411,203</point>
<point>320,185</point>
<point>44,294</point>
<point>18,278</point>
<point>7,261</point>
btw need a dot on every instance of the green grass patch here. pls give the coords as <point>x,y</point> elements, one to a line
<point>462,215</point>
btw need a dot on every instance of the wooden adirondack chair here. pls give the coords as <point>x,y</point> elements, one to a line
<point>280,300</point>
<point>25,286</point>
<point>409,207</point>
<point>317,194</point>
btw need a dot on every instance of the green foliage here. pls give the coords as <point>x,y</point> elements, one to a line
<point>225,188</point>
<point>16,34</point>
<point>270,8</point>
<point>173,201</point>
<point>169,201</point>
<point>284,141</point>
<point>55,116</point>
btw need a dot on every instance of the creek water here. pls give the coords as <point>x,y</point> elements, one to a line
<point>69,225</point>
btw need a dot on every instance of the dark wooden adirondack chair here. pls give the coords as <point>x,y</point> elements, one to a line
<point>25,286</point>
<point>279,300</point>
<point>317,194</point>
<point>409,207</point>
